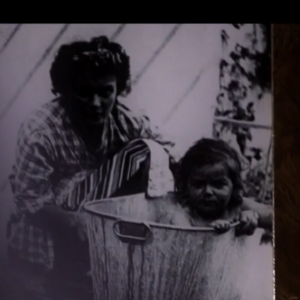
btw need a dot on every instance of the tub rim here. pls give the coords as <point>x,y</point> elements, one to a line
<point>88,207</point>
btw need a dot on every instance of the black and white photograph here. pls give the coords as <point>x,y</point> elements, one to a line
<point>136,162</point>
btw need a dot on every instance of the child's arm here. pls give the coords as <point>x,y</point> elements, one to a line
<point>264,211</point>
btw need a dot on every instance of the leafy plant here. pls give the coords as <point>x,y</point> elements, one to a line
<point>247,70</point>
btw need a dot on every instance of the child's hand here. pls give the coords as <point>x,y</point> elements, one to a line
<point>248,222</point>
<point>221,226</point>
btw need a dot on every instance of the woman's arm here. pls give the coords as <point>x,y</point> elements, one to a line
<point>31,184</point>
<point>264,211</point>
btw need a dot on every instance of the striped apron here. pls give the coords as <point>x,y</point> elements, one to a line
<point>140,161</point>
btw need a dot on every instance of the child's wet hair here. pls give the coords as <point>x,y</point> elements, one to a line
<point>207,152</point>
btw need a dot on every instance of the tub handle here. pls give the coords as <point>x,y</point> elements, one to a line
<point>132,232</point>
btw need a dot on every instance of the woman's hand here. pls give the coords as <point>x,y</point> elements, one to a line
<point>248,220</point>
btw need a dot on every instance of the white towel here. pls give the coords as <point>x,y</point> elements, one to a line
<point>161,179</point>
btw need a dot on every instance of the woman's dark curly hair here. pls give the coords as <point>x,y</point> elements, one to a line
<point>95,58</point>
<point>208,152</point>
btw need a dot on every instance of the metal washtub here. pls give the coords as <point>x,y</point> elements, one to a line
<point>137,259</point>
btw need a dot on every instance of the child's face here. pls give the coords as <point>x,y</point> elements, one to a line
<point>209,189</point>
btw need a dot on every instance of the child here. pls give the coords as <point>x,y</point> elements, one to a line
<point>209,187</point>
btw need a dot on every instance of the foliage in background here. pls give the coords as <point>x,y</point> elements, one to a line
<point>246,71</point>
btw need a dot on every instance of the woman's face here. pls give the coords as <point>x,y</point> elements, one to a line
<point>97,97</point>
<point>209,189</point>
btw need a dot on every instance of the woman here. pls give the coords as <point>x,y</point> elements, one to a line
<point>85,135</point>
